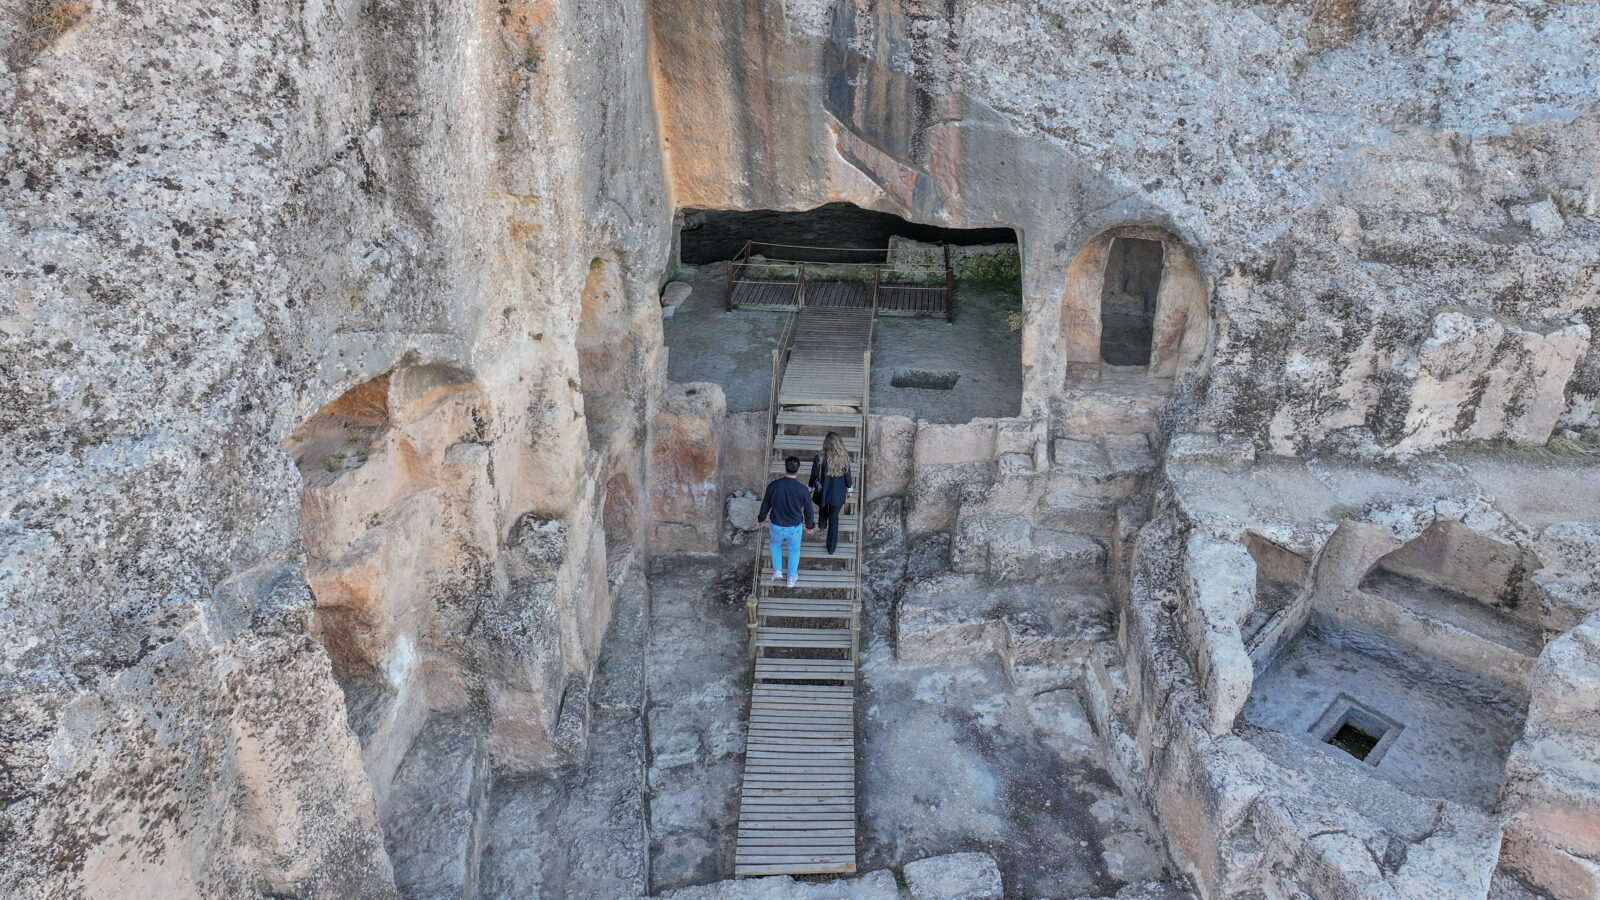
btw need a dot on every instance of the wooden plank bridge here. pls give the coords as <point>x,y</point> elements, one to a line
<point>768,280</point>
<point>797,803</point>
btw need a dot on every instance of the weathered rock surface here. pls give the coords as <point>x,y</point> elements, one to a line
<point>675,293</point>
<point>1296,222</point>
<point>879,885</point>
<point>1552,791</point>
<point>743,508</point>
<point>686,446</point>
<point>1039,634</point>
<point>304,200</point>
<point>959,876</point>
<point>434,824</point>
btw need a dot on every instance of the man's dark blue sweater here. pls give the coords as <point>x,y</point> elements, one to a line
<point>789,502</point>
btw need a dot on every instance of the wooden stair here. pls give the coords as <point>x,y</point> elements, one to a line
<point>797,813</point>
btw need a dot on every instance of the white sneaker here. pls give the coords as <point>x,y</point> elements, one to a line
<point>777,577</point>
<point>792,582</point>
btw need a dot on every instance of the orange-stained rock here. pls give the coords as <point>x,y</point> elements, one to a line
<point>685,449</point>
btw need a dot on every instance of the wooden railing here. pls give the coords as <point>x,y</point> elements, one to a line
<point>755,263</point>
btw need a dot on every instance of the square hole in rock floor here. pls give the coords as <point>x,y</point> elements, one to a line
<point>1354,741</point>
<point>1358,730</point>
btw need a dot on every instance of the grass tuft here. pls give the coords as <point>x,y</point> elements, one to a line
<point>43,23</point>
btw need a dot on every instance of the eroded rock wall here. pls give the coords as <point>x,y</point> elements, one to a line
<point>1395,212</point>
<point>214,220</point>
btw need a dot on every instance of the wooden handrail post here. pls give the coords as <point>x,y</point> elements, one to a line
<point>800,286</point>
<point>949,288</point>
<point>877,275</point>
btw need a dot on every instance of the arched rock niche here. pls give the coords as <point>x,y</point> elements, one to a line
<point>398,519</point>
<point>1180,321</point>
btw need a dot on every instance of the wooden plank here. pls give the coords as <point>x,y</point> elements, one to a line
<point>776,786</point>
<point>834,704</point>
<point>815,579</point>
<point>763,734</point>
<point>794,846</point>
<point>823,707</point>
<point>803,691</point>
<point>798,804</point>
<point>804,789</point>
<point>837,743</point>
<point>765,610</point>
<point>782,811</point>
<point>762,811</point>
<point>821,713</point>
<point>784,819</point>
<point>809,728</point>
<point>799,665</point>
<point>804,722</point>
<point>770,855</point>
<point>764,862</point>
<point>844,770</point>
<point>770,660</point>
<point>843,420</point>
<point>789,740</point>
<point>838,814</point>
<point>800,858</point>
<point>798,834</point>
<point>816,665</point>
<point>829,705</point>
<point>769,864</point>
<point>812,711</point>
<point>815,840</point>
<point>834,827</point>
<point>807,781</point>
<point>819,793</point>
<point>828,606</point>
<point>810,865</point>
<point>762,727</point>
<point>820,636</point>
<point>840,778</point>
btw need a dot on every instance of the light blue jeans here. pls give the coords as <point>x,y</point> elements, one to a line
<point>779,537</point>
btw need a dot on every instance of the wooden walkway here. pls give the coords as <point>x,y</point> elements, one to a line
<point>763,294</point>
<point>797,809</point>
<point>789,285</point>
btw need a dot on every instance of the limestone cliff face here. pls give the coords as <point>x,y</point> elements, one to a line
<point>214,220</point>
<point>1346,174</point>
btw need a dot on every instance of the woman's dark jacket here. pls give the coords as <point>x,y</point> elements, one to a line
<point>833,486</point>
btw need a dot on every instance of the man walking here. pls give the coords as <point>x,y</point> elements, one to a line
<point>789,503</point>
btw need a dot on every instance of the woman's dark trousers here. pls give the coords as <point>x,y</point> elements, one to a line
<point>830,518</point>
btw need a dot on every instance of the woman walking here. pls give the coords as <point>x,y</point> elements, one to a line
<point>830,484</point>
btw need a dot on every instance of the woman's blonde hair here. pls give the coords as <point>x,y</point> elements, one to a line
<point>834,452</point>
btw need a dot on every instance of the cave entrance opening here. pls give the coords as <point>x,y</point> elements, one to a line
<point>1128,301</point>
<point>922,364</point>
